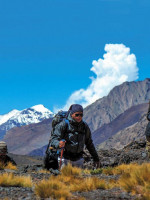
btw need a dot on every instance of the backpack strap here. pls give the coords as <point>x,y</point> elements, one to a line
<point>67,122</point>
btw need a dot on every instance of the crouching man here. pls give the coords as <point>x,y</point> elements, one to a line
<point>72,136</point>
<point>4,158</point>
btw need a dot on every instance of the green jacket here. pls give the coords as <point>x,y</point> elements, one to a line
<point>76,135</point>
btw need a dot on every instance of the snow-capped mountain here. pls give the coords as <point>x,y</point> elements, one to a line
<point>6,117</point>
<point>17,118</point>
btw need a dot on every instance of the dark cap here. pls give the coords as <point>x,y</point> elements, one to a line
<point>75,108</point>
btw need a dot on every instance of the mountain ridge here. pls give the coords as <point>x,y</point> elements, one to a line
<point>120,98</point>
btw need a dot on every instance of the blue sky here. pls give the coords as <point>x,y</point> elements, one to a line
<point>47,47</point>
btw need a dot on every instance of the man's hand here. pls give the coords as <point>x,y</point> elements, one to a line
<point>62,144</point>
<point>97,164</point>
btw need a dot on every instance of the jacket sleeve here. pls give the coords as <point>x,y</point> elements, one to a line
<point>148,114</point>
<point>89,144</point>
<point>57,134</point>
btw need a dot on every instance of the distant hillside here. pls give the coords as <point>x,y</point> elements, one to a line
<point>39,151</point>
<point>126,136</point>
<point>120,98</point>
<point>22,140</point>
<point>126,119</point>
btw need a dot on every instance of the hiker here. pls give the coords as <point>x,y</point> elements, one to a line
<point>147,132</point>
<point>72,136</point>
<point>4,158</point>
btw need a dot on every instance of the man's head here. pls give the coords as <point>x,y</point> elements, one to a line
<point>76,112</point>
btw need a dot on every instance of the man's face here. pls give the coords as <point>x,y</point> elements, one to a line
<point>77,116</point>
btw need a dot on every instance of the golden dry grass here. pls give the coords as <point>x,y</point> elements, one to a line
<point>87,184</point>
<point>11,166</point>
<point>125,168</point>
<point>9,179</point>
<point>68,170</point>
<point>52,188</point>
<point>70,180</point>
<point>8,166</point>
<point>136,179</point>
<point>108,171</point>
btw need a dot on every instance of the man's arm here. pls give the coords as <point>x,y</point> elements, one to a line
<point>57,134</point>
<point>89,144</point>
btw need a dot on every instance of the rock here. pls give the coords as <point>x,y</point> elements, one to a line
<point>133,152</point>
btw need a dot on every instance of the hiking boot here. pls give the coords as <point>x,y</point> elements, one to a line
<point>54,171</point>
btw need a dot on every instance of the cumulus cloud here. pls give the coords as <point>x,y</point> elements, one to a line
<point>117,66</point>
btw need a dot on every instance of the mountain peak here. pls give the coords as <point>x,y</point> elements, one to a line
<point>40,108</point>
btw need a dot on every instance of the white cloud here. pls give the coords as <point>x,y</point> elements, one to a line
<point>116,67</point>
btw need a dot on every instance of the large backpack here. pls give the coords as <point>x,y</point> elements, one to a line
<point>60,116</point>
<point>51,157</point>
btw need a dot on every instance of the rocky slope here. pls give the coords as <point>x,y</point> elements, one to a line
<point>125,136</point>
<point>121,98</point>
<point>126,119</point>
<point>133,152</point>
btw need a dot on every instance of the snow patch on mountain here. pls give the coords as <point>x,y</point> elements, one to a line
<point>41,108</point>
<point>6,117</point>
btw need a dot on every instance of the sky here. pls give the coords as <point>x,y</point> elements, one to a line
<point>56,53</point>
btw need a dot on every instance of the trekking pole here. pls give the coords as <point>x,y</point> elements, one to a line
<point>61,155</point>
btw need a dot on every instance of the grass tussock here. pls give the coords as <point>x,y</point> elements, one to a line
<point>8,166</point>
<point>124,168</point>
<point>52,188</point>
<point>136,179</point>
<point>9,179</point>
<point>88,184</point>
<point>70,180</point>
<point>68,170</point>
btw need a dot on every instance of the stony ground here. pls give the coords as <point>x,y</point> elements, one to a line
<point>134,152</point>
